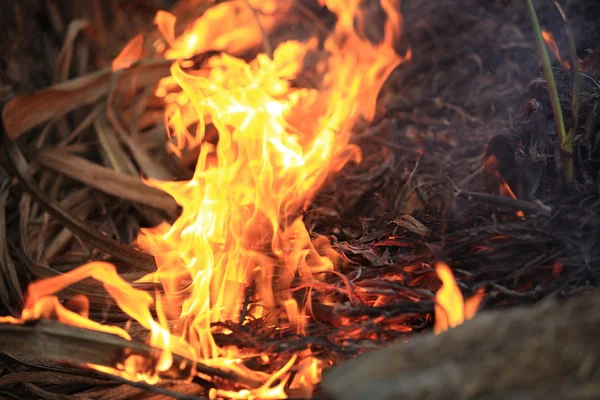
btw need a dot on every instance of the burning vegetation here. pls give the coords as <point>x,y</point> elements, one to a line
<point>313,177</point>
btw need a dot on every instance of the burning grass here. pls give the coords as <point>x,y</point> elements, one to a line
<point>284,259</point>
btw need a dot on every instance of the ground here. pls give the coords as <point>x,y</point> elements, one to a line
<point>474,75</point>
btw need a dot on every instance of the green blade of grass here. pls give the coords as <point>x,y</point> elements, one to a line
<point>565,145</point>
<point>576,76</point>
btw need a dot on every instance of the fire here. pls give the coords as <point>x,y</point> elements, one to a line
<point>451,309</point>
<point>241,223</point>
<point>492,169</point>
<point>505,190</point>
<point>551,43</point>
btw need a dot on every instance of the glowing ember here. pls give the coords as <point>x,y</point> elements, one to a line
<point>450,308</point>
<point>241,223</point>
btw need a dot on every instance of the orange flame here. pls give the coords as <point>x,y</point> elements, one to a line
<point>241,223</point>
<point>551,43</point>
<point>450,308</point>
<point>505,190</point>
<point>492,168</point>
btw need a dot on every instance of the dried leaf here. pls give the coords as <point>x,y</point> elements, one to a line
<point>10,289</point>
<point>411,224</point>
<point>64,236</point>
<point>106,180</point>
<point>63,61</point>
<point>28,111</point>
<point>119,160</point>
<point>43,394</point>
<point>125,253</point>
<point>131,53</point>
<point>148,165</point>
<point>115,155</point>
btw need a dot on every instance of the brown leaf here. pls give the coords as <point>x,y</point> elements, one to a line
<point>131,53</point>
<point>28,111</point>
<point>117,159</point>
<point>64,236</point>
<point>109,181</point>
<point>10,288</point>
<point>63,61</point>
<point>411,224</point>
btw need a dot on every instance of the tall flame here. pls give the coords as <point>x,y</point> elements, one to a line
<point>241,224</point>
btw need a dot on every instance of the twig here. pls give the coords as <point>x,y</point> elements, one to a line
<point>503,201</point>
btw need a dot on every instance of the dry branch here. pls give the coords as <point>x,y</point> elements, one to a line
<point>546,351</point>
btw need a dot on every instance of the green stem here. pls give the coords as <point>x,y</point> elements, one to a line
<point>575,101</point>
<point>566,142</point>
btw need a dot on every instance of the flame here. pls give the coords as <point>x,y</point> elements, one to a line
<point>551,43</point>
<point>505,190</point>
<point>492,168</point>
<point>241,222</point>
<point>451,309</point>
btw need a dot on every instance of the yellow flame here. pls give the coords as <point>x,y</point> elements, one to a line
<point>450,308</point>
<point>241,222</point>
